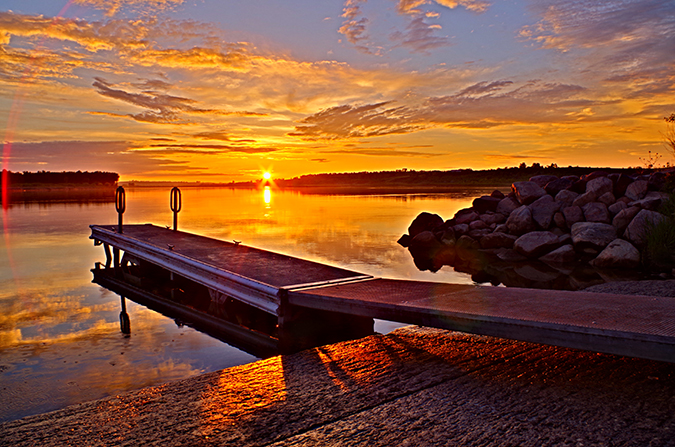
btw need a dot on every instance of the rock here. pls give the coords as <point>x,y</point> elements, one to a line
<point>424,222</point>
<point>477,225</point>
<point>465,216</point>
<point>579,186</point>
<point>657,180</point>
<point>507,205</point>
<point>497,194</point>
<point>618,254</point>
<point>624,217</point>
<point>640,225</point>
<point>592,237</point>
<point>607,198</point>
<point>520,221</point>
<point>527,192</point>
<point>573,214</point>
<point>536,243</point>
<point>624,199</point>
<point>448,237</point>
<point>566,198</point>
<point>648,203</point>
<point>467,243</point>
<point>460,229</point>
<point>599,186</point>
<point>510,255</point>
<point>637,190</point>
<point>485,203</point>
<point>559,220</point>
<point>615,208</point>
<point>492,218</point>
<point>404,240</point>
<point>562,255</point>
<point>594,175</point>
<point>561,184</point>
<point>584,199</point>
<point>498,240</point>
<point>620,184</point>
<point>543,210</point>
<point>478,234</point>
<point>543,180</point>
<point>596,212</point>
<point>565,239</point>
<point>424,245</point>
<point>501,229</point>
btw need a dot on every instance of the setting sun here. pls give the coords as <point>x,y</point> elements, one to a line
<point>267,175</point>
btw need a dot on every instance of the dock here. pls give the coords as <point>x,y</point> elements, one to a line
<point>290,304</point>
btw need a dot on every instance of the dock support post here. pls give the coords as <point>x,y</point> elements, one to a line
<point>176,203</point>
<point>120,206</point>
<point>125,322</point>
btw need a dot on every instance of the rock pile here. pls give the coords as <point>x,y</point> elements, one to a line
<point>598,218</point>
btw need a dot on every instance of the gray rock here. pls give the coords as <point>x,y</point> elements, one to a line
<point>492,218</point>
<point>424,222</point>
<point>641,224</point>
<point>559,220</point>
<point>478,234</point>
<point>566,198</point>
<point>555,186</point>
<point>448,237</point>
<point>527,192</point>
<point>615,208</point>
<point>510,255</point>
<point>562,255</point>
<point>425,244</point>
<point>503,228</point>
<point>592,236</point>
<point>536,243</point>
<point>620,184</point>
<point>543,210</point>
<point>460,229</point>
<point>607,198</point>
<point>498,240</point>
<point>573,214</point>
<point>507,205</point>
<point>477,225</point>
<point>618,254</point>
<point>624,217</point>
<point>637,190</point>
<point>648,203</point>
<point>596,212</point>
<point>599,186</point>
<point>465,216</point>
<point>584,199</point>
<point>485,203</point>
<point>565,239</point>
<point>543,180</point>
<point>520,221</point>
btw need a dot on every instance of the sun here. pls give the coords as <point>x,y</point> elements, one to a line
<point>267,175</point>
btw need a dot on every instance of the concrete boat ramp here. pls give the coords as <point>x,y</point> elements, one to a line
<point>309,303</point>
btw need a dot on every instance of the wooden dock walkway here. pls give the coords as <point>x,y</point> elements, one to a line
<point>302,293</point>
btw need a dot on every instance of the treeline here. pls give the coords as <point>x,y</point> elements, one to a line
<point>458,177</point>
<point>65,178</point>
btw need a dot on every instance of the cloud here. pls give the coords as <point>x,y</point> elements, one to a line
<point>481,105</point>
<point>419,36</point>
<point>164,109</point>
<point>354,27</point>
<point>205,149</point>
<point>111,7</point>
<point>628,42</point>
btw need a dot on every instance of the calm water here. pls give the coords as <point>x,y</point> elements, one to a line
<point>60,339</point>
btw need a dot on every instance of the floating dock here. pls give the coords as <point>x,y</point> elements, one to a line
<point>291,304</point>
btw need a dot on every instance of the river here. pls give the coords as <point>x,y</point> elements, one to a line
<point>60,338</point>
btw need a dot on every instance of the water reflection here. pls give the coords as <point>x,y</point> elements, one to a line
<point>60,336</point>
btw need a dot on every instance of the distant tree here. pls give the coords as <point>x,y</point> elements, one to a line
<point>523,165</point>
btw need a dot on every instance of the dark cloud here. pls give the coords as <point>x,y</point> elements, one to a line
<point>163,108</point>
<point>482,105</point>
<point>208,149</point>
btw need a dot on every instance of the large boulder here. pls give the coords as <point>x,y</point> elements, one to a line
<point>424,245</point>
<point>617,207</point>
<point>621,182</point>
<point>507,205</point>
<point>624,217</point>
<point>424,222</point>
<point>599,186</point>
<point>485,203</point>
<point>573,214</point>
<point>466,215</point>
<point>585,199</point>
<point>492,218</point>
<point>536,243</point>
<point>498,240</point>
<point>527,192</point>
<point>543,210</point>
<point>618,254</point>
<point>637,190</point>
<point>561,184</point>
<point>543,180</point>
<point>520,221</point>
<point>640,226</point>
<point>566,198</point>
<point>592,237</point>
<point>596,212</point>
<point>562,255</point>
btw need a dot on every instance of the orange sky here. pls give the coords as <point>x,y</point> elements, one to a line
<point>223,90</point>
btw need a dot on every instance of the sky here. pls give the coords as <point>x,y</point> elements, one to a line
<point>224,90</point>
